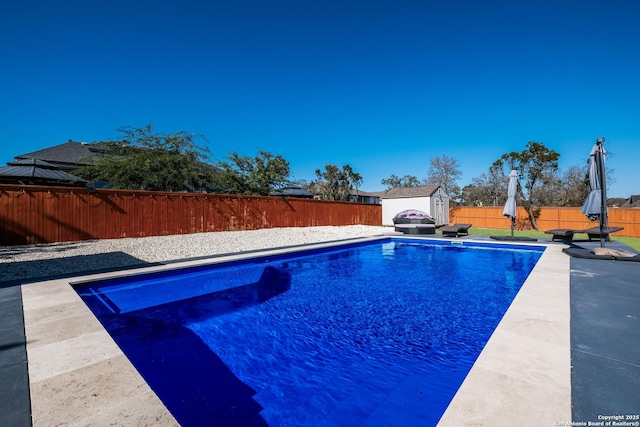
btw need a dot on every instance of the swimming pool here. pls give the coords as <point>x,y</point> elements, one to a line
<point>361,335</point>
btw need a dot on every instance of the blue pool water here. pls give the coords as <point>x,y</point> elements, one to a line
<point>372,334</point>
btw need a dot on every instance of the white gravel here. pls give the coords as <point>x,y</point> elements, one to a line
<point>27,263</point>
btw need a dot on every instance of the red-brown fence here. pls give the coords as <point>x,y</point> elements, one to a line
<point>35,214</point>
<point>550,218</point>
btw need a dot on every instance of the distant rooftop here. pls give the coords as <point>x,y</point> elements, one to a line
<point>70,155</point>
<point>292,192</point>
<point>356,192</point>
<point>632,202</point>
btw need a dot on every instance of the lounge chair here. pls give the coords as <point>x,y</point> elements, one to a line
<point>594,232</point>
<point>562,234</point>
<point>514,238</point>
<point>566,234</point>
<point>455,230</point>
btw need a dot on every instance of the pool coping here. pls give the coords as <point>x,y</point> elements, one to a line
<point>525,365</point>
<point>523,374</point>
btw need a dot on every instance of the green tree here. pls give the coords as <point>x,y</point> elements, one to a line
<point>445,171</point>
<point>334,183</point>
<point>143,160</point>
<point>575,186</point>
<point>489,189</point>
<point>394,181</point>
<point>536,166</point>
<point>258,175</point>
<point>567,188</point>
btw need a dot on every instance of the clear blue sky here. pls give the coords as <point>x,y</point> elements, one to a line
<point>381,85</point>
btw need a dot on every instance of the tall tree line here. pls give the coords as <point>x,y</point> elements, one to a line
<point>540,181</point>
<point>141,159</point>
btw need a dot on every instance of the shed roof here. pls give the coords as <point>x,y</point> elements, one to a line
<point>398,193</point>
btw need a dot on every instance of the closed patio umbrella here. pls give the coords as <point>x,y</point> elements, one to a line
<point>510,205</point>
<point>595,207</point>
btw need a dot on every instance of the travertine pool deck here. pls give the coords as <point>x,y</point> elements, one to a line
<point>525,368</point>
<point>78,375</point>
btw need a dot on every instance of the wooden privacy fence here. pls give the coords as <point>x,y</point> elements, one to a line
<point>550,218</point>
<point>38,214</point>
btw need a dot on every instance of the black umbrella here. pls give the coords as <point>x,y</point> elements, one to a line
<point>595,207</point>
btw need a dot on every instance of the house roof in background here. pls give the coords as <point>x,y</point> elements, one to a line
<point>69,155</point>
<point>355,192</point>
<point>292,192</point>
<point>632,202</point>
<point>397,193</point>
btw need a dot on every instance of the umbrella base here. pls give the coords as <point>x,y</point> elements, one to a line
<point>579,252</point>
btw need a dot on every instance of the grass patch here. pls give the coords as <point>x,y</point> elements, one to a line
<point>632,242</point>
<point>517,233</point>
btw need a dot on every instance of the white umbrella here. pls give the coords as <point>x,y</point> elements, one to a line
<point>510,205</point>
<point>595,207</point>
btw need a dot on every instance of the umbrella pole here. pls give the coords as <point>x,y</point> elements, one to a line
<point>513,225</point>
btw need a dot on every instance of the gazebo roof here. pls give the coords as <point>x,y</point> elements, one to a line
<point>37,170</point>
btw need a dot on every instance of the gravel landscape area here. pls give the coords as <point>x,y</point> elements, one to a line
<point>33,262</point>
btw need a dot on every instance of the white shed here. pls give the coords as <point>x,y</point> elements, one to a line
<point>430,199</point>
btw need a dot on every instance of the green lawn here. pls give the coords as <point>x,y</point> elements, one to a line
<point>633,242</point>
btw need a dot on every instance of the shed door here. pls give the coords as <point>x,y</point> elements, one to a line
<point>440,209</point>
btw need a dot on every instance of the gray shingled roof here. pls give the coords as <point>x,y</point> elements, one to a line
<point>397,193</point>
<point>632,202</point>
<point>355,192</point>
<point>70,155</point>
<point>36,171</point>
<point>292,192</point>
